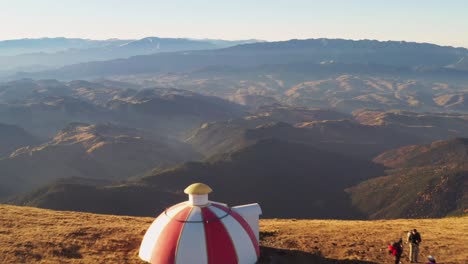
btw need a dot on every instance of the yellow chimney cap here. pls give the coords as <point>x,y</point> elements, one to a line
<point>198,188</point>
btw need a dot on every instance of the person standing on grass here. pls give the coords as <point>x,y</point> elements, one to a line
<point>408,235</point>
<point>414,240</point>
<point>396,249</point>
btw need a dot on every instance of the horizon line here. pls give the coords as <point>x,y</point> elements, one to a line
<point>243,39</point>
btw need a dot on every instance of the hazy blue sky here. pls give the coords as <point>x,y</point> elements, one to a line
<point>442,22</point>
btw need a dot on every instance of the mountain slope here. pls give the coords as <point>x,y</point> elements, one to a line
<point>448,152</point>
<point>454,102</point>
<point>170,112</point>
<point>100,197</point>
<point>46,116</point>
<point>46,106</point>
<point>14,137</point>
<point>426,181</point>
<point>92,151</point>
<point>350,92</point>
<point>431,126</point>
<point>340,87</point>
<point>341,136</point>
<point>280,175</point>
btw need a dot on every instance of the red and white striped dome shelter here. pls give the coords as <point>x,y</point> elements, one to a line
<point>200,231</point>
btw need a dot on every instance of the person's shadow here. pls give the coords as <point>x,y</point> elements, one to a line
<point>279,256</point>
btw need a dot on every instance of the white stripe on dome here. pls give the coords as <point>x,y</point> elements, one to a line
<point>195,215</point>
<point>192,241</point>
<point>242,243</point>
<point>218,212</point>
<point>173,211</point>
<point>223,204</point>
<point>153,232</point>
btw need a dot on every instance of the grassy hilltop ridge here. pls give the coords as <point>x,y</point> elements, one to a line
<point>31,235</point>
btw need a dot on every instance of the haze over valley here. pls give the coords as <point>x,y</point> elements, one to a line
<point>321,116</point>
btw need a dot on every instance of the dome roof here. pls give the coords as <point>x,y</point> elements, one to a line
<point>210,233</point>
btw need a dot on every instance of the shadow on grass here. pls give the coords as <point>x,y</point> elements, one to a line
<point>70,252</point>
<point>279,256</point>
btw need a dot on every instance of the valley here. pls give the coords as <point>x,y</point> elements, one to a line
<point>366,133</point>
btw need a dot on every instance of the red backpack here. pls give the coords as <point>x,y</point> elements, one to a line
<point>392,250</point>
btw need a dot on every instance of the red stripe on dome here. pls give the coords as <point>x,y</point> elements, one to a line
<point>218,241</point>
<point>244,224</point>
<point>165,248</point>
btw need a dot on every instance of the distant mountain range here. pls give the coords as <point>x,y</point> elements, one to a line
<point>34,54</point>
<point>49,45</point>
<point>46,106</point>
<point>395,56</point>
<point>343,75</point>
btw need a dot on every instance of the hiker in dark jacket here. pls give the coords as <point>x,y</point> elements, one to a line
<point>396,249</point>
<point>414,240</point>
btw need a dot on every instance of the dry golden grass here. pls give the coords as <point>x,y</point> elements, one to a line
<point>31,235</point>
<point>446,239</point>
